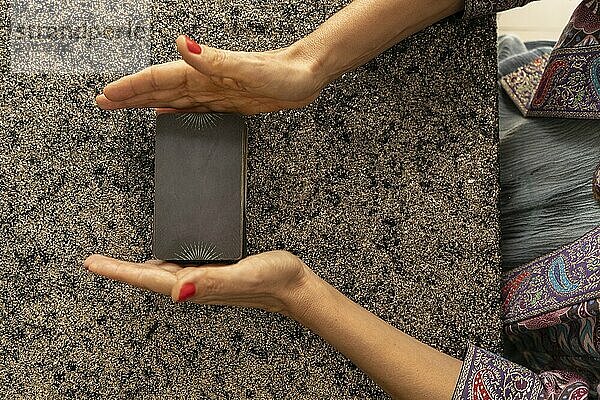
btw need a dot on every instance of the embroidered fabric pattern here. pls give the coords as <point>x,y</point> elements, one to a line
<point>567,91</point>
<point>476,8</point>
<point>560,279</point>
<point>521,84</point>
<point>584,27</point>
<point>565,339</point>
<point>560,385</point>
<point>570,84</point>
<point>486,376</point>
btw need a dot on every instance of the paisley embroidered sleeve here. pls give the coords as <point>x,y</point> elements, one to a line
<point>486,376</point>
<point>551,310</point>
<point>476,8</point>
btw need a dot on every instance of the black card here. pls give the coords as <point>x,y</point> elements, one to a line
<point>200,187</point>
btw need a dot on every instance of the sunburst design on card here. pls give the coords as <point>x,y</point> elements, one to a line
<point>198,251</point>
<point>199,121</point>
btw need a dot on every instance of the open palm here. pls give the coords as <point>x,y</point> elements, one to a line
<point>264,280</point>
<point>218,80</point>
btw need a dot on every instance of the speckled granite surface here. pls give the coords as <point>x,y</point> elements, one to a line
<point>386,186</point>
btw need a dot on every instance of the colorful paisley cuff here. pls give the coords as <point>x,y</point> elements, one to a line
<point>565,83</point>
<point>477,8</point>
<point>486,376</point>
<point>560,279</point>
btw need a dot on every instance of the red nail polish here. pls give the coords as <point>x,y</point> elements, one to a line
<point>187,291</point>
<point>192,46</point>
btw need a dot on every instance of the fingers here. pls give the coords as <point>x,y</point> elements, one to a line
<point>210,283</point>
<point>166,266</point>
<point>154,262</point>
<point>173,100</point>
<point>157,278</point>
<point>140,100</point>
<point>152,79</point>
<point>162,85</point>
<point>165,110</point>
<point>169,110</point>
<point>214,62</point>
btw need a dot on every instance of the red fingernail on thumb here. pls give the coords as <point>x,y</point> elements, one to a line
<point>192,46</point>
<point>187,291</point>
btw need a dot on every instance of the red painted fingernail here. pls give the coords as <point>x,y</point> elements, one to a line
<point>192,46</point>
<point>187,291</point>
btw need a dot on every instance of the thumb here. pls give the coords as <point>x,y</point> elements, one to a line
<point>208,60</point>
<point>208,283</point>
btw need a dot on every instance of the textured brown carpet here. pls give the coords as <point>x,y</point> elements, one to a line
<point>386,186</point>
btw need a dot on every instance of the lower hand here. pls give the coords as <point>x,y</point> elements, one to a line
<point>272,281</point>
<point>209,79</point>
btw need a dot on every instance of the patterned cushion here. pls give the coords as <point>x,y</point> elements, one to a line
<point>565,84</point>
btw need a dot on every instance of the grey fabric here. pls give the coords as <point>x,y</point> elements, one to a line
<point>546,171</point>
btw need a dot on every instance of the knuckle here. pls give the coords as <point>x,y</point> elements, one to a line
<point>139,279</point>
<point>209,286</point>
<point>189,100</point>
<point>232,84</point>
<point>220,58</point>
<point>152,71</point>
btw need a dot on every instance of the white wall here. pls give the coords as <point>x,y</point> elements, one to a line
<point>544,19</point>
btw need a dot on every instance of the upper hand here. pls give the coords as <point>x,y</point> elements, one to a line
<point>219,81</point>
<point>270,281</point>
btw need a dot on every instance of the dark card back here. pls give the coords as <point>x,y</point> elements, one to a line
<point>200,187</point>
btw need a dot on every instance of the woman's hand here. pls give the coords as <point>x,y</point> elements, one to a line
<point>209,79</point>
<point>273,281</point>
<point>278,281</point>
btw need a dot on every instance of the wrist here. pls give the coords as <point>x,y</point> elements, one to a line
<point>308,56</point>
<point>304,295</point>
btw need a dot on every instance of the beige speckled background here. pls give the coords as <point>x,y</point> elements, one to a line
<point>386,186</point>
